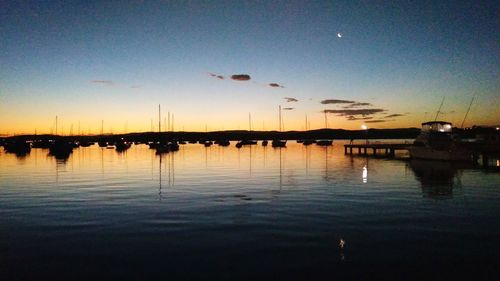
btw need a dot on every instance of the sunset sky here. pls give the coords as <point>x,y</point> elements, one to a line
<point>366,62</point>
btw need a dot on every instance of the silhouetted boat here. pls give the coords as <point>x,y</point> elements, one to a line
<point>248,142</point>
<point>85,143</point>
<point>174,146</point>
<point>122,145</point>
<point>207,143</point>
<point>61,149</point>
<point>324,142</point>
<point>308,142</point>
<point>40,144</point>
<point>162,148</point>
<point>264,143</point>
<point>278,143</point>
<point>17,147</point>
<point>436,142</point>
<point>223,143</point>
<point>102,143</point>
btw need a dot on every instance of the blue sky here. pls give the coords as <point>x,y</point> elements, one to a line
<point>87,61</point>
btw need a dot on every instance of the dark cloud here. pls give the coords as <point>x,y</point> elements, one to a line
<point>104,82</point>
<point>334,101</point>
<point>216,75</point>
<point>276,85</point>
<point>358,104</point>
<point>354,112</point>
<point>377,121</point>
<point>291,100</point>
<point>288,108</point>
<point>240,77</point>
<point>353,118</point>
<point>394,115</point>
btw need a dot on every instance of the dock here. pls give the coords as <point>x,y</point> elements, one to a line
<point>389,149</point>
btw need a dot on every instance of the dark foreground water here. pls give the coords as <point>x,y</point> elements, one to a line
<point>254,213</point>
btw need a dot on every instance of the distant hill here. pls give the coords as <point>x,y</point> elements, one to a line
<point>403,133</point>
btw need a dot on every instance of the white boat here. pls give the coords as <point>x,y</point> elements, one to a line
<point>436,142</point>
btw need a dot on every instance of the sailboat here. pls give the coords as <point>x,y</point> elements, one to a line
<point>162,146</point>
<point>279,142</point>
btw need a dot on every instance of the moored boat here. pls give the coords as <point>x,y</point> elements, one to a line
<point>436,142</point>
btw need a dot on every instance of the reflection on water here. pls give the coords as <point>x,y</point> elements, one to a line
<point>436,177</point>
<point>237,211</point>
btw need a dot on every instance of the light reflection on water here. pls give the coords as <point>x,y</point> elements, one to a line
<point>240,211</point>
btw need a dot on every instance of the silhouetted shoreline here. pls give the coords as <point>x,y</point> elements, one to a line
<point>234,135</point>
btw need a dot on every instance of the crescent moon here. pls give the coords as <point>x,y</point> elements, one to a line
<point>339,35</point>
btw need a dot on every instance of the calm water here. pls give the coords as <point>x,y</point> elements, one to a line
<point>251,213</point>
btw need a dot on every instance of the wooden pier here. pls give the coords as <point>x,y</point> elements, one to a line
<point>389,149</point>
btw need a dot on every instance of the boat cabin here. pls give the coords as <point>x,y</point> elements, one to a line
<point>437,126</point>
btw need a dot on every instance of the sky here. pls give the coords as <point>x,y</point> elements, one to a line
<point>384,64</point>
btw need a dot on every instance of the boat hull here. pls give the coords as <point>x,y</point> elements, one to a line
<point>429,153</point>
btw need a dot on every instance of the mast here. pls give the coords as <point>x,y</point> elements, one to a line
<point>159,119</point>
<point>249,121</point>
<point>168,129</point>
<point>439,110</point>
<point>468,109</point>
<point>280,117</point>
<point>326,121</point>
<point>56,125</point>
<point>102,127</point>
<point>306,122</point>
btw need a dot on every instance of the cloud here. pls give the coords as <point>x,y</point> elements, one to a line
<point>353,112</point>
<point>353,118</point>
<point>288,108</point>
<point>240,77</point>
<point>276,85</point>
<point>377,121</point>
<point>394,115</point>
<point>357,104</point>
<point>334,101</point>
<point>291,100</point>
<point>135,86</point>
<point>103,82</point>
<point>216,76</point>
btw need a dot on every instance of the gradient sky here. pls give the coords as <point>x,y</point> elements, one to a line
<point>87,61</point>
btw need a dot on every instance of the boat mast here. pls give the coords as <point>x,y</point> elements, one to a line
<point>249,121</point>
<point>56,125</point>
<point>306,122</point>
<point>280,117</point>
<point>439,110</point>
<point>102,127</point>
<point>326,120</point>
<point>159,119</point>
<point>468,109</point>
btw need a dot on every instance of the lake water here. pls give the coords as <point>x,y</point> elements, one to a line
<point>251,213</point>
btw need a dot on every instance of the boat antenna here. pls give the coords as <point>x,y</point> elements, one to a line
<point>468,109</point>
<point>439,110</point>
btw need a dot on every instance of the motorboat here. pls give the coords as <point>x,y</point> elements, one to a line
<point>436,142</point>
